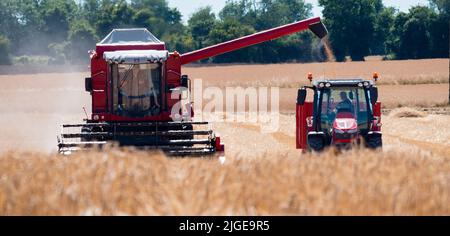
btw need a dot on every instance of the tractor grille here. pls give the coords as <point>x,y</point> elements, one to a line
<point>345,136</point>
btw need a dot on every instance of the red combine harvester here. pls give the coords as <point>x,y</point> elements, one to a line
<point>141,98</point>
<point>343,113</point>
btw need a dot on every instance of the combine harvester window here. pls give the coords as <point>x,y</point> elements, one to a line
<point>136,89</point>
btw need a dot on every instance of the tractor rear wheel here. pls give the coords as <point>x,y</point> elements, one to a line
<point>374,141</point>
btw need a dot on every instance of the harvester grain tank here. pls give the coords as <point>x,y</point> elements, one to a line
<point>133,82</point>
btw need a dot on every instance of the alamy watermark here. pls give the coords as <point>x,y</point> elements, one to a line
<point>253,105</point>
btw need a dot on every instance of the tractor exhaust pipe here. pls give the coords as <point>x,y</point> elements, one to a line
<point>319,29</point>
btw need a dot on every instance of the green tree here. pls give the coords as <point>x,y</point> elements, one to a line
<point>9,23</point>
<point>91,10</point>
<point>82,38</point>
<point>147,18</point>
<point>56,16</point>
<point>272,13</point>
<point>4,51</point>
<point>394,44</point>
<point>200,24</point>
<point>440,28</point>
<point>383,27</point>
<point>143,17</point>
<point>181,42</point>
<point>113,14</point>
<point>267,14</point>
<point>443,6</point>
<point>228,30</point>
<point>163,19</point>
<point>351,25</point>
<point>244,11</point>
<point>58,53</point>
<point>414,37</point>
<point>439,35</point>
<point>20,22</point>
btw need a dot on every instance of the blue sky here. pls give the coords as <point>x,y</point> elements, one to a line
<point>187,7</point>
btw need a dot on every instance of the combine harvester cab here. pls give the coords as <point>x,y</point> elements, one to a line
<point>141,98</point>
<point>343,113</point>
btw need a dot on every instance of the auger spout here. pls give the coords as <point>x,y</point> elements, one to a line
<point>314,24</point>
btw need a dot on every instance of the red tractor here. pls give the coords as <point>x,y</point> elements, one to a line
<point>343,113</point>
<point>141,98</point>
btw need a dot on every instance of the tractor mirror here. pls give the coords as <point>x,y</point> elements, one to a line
<point>184,81</point>
<point>319,29</point>
<point>301,96</point>
<point>374,94</point>
<point>350,95</point>
<point>88,84</point>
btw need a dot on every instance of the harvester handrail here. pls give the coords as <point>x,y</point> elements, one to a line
<point>248,40</point>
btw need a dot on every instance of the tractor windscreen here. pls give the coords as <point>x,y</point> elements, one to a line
<point>344,102</point>
<point>136,89</point>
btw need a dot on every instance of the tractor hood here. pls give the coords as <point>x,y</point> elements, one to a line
<point>136,56</point>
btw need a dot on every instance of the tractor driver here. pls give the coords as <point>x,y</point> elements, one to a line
<point>345,103</point>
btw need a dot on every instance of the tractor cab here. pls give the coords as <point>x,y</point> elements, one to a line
<point>342,112</point>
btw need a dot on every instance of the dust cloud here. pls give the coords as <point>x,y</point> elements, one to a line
<point>34,106</point>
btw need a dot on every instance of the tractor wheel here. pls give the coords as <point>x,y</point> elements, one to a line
<point>316,143</point>
<point>374,142</point>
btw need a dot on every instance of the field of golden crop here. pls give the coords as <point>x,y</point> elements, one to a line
<point>261,174</point>
<point>420,83</point>
<point>133,183</point>
<point>407,72</point>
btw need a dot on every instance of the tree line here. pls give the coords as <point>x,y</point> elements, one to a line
<point>62,31</point>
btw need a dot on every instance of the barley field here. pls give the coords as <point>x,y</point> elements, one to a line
<point>406,72</point>
<point>418,83</point>
<point>259,174</point>
<point>123,182</point>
